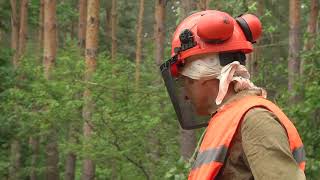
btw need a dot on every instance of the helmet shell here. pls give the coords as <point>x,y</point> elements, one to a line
<point>213,31</point>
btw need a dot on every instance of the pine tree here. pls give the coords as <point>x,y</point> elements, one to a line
<point>187,137</point>
<point>114,30</point>
<point>91,58</point>
<point>139,41</point>
<point>49,55</point>
<point>82,23</point>
<point>294,44</point>
<point>311,30</point>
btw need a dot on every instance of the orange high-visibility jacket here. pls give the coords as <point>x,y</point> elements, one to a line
<point>221,129</point>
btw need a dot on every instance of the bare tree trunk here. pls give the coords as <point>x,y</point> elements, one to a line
<point>114,30</point>
<point>50,36</point>
<point>49,54</point>
<point>312,30</point>
<point>91,58</point>
<point>294,44</point>
<point>23,27</point>
<point>70,166</point>
<point>34,144</point>
<point>71,158</point>
<point>159,30</point>
<point>139,41</point>
<point>188,143</point>
<point>187,138</point>
<point>108,23</point>
<point>41,18</point>
<point>82,23</point>
<point>15,154</point>
<point>186,8</point>
<point>52,159</point>
<point>88,166</point>
<point>249,63</point>
<point>203,5</point>
<point>14,172</point>
<point>159,35</point>
<point>14,32</point>
<point>73,30</point>
<point>253,60</point>
<point>34,141</point>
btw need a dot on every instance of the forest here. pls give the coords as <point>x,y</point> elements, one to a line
<point>81,95</point>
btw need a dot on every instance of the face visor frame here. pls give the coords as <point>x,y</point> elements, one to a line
<point>185,110</point>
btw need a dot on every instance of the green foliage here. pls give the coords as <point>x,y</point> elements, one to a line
<point>32,105</point>
<point>180,171</point>
<point>4,16</point>
<point>67,12</point>
<point>124,118</point>
<point>307,111</point>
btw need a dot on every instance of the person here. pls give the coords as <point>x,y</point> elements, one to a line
<point>247,136</point>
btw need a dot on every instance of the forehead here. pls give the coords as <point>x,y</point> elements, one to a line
<point>199,56</point>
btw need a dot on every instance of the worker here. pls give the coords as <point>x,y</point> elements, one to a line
<point>247,137</point>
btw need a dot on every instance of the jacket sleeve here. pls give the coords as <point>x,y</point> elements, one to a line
<point>266,147</point>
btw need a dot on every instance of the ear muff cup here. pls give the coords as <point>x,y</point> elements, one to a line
<point>215,28</point>
<point>251,26</point>
<point>245,29</point>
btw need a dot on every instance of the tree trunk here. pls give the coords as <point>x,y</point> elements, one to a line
<point>34,144</point>
<point>41,18</point>
<point>71,158</point>
<point>159,35</point>
<point>14,31</point>
<point>108,22</point>
<point>52,159</point>
<point>186,8</point>
<point>203,5</point>
<point>294,44</point>
<point>187,138</point>
<point>253,58</point>
<point>82,23</point>
<point>70,166</point>
<point>49,54</point>
<point>15,165</point>
<point>312,30</point>
<point>73,30</point>
<point>188,143</point>
<point>249,59</point>
<point>15,154</point>
<point>139,41</point>
<point>114,30</point>
<point>159,30</point>
<point>50,36</point>
<point>34,141</point>
<point>23,27</point>
<point>91,56</point>
<point>70,163</point>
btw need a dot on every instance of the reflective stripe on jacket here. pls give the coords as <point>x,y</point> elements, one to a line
<point>222,128</point>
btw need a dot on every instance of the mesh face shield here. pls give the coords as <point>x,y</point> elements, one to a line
<point>183,107</point>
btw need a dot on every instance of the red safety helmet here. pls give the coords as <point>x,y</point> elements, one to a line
<point>213,31</point>
<point>206,32</point>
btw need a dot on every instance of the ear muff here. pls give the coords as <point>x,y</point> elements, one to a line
<point>251,26</point>
<point>215,28</point>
